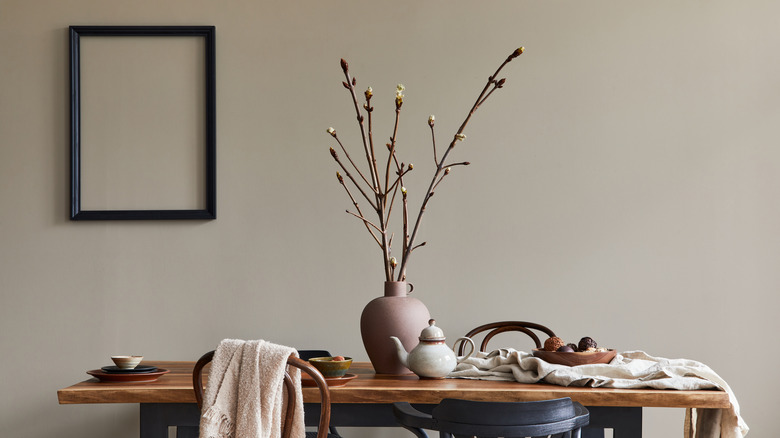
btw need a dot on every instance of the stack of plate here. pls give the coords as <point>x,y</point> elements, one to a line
<point>141,373</point>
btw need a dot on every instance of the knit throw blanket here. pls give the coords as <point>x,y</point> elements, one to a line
<point>244,396</point>
<point>632,369</point>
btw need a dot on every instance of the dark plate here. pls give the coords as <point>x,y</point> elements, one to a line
<point>139,369</point>
<point>128,377</point>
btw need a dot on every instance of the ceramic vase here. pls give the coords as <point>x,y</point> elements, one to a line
<point>394,314</point>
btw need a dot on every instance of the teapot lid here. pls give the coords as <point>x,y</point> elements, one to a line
<point>432,333</point>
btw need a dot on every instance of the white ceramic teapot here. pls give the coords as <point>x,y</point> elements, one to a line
<point>431,358</point>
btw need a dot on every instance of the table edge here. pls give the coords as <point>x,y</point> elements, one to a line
<point>90,391</point>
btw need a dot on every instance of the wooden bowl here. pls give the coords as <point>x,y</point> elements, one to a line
<point>573,359</point>
<point>331,368</point>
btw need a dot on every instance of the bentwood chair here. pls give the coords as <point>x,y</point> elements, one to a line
<point>308,354</point>
<point>559,418</point>
<point>495,328</point>
<point>322,429</point>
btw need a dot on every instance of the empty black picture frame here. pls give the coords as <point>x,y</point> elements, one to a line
<point>205,32</point>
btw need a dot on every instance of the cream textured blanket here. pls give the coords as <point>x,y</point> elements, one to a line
<point>632,369</point>
<point>245,390</point>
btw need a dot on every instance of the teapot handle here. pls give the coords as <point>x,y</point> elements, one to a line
<point>470,342</point>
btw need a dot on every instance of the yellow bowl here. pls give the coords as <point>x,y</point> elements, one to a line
<point>329,367</point>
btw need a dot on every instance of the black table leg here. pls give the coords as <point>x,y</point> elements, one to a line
<point>624,422</point>
<point>156,417</point>
<point>187,432</point>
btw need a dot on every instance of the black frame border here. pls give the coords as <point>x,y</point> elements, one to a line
<point>208,33</point>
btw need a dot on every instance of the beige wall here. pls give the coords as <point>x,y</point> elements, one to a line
<point>625,185</point>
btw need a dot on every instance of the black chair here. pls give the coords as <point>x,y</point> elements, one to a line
<point>559,418</point>
<point>304,366</point>
<point>495,328</point>
<point>308,354</point>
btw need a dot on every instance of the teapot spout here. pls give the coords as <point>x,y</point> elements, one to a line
<point>403,356</point>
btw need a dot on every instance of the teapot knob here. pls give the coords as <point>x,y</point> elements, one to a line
<point>432,333</point>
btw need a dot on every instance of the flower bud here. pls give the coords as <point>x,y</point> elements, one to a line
<point>340,178</point>
<point>369,93</point>
<point>447,171</point>
<point>344,65</point>
<point>399,95</point>
<point>460,137</point>
<point>411,166</point>
<point>332,131</point>
<point>403,190</point>
<point>431,120</point>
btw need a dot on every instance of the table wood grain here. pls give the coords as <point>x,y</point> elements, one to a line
<point>176,387</point>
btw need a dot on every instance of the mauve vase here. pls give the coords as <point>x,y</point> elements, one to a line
<point>394,314</point>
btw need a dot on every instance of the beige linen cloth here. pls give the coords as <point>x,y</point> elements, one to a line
<point>244,396</point>
<point>631,369</point>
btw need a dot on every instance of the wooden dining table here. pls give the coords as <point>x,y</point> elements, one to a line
<point>366,401</point>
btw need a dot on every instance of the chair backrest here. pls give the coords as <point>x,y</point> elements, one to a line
<point>308,354</point>
<point>495,328</point>
<point>465,418</point>
<point>322,431</point>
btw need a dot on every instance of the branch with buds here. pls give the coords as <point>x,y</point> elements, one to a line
<point>380,190</point>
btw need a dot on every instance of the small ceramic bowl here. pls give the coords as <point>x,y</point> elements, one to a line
<point>127,362</point>
<point>331,368</point>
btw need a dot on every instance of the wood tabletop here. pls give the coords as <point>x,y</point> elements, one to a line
<point>176,387</point>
